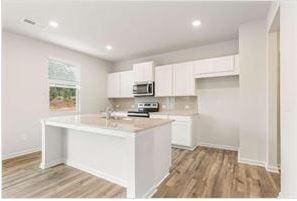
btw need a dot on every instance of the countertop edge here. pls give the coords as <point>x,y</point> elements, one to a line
<point>102,130</point>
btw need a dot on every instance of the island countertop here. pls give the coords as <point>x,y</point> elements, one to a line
<point>93,121</point>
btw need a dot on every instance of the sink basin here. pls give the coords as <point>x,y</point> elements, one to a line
<point>118,118</point>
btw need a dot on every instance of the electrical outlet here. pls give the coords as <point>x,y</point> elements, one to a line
<point>187,107</point>
<point>132,106</point>
<point>164,106</point>
<point>117,106</point>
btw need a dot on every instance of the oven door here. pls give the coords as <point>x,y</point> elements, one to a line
<point>143,89</point>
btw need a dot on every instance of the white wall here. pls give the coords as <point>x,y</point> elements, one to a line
<point>25,88</point>
<point>288,68</point>
<point>273,67</point>
<point>218,107</point>
<point>253,93</point>
<point>273,157</point>
<point>200,52</point>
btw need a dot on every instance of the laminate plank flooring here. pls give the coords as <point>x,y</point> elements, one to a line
<point>204,172</point>
<point>215,173</point>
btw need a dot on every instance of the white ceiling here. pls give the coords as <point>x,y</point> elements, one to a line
<point>134,29</point>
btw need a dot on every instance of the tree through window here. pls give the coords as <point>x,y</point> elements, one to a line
<point>64,85</point>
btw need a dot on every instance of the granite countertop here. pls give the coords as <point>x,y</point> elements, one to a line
<point>177,112</point>
<point>127,124</point>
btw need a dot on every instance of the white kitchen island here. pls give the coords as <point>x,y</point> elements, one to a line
<point>132,152</point>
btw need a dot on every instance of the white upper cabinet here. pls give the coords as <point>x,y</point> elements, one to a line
<point>164,81</point>
<point>126,84</point>
<point>120,85</point>
<point>144,72</point>
<point>221,66</point>
<point>171,80</point>
<point>183,79</point>
<point>202,67</point>
<point>175,80</point>
<point>113,85</point>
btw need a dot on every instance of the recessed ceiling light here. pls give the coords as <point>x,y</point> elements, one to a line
<point>53,24</point>
<point>196,23</point>
<point>108,47</point>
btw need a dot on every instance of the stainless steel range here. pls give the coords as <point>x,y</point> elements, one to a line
<point>144,109</point>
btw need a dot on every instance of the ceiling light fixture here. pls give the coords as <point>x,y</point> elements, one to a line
<point>53,24</point>
<point>196,23</point>
<point>108,47</point>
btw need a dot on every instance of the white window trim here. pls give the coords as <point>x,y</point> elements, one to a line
<point>66,84</point>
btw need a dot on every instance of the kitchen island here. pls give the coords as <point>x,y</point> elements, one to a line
<point>129,151</point>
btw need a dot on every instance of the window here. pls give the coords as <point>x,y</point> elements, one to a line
<point>63,85</point>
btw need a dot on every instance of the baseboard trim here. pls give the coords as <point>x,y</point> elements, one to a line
<point>51,164</point>
<point>21,153</point>
<point>96,173</point>
<point>218,146</point>
<point>273,169</point>
<point>183,147</point>
<point>153,190</point>
<point>251,162</point>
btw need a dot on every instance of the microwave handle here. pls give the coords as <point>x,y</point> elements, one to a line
<point>147,88</point>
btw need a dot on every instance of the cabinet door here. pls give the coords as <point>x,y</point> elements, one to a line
<point>183,79</point>
<point>126,84</point>
<point>144,72</point>
<point>202,67</point>
<point>148,70</point>
<point>163,81</point>
<point>113,85</point>
<point>181,134</point>
<point>138,73</point>
<point>222,64</point>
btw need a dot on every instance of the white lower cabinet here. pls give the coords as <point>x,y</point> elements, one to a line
<point>181,134</point>
<point>183,130</point>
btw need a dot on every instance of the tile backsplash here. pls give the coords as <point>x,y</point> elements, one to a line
<point>165,103</point>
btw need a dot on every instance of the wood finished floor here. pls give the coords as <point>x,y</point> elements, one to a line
<point>204,172</point>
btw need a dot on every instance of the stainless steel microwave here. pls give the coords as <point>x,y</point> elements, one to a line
<point>143,89</point>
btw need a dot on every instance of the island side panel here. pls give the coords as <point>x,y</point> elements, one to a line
<point>162,144</point>
<point>52,146</point>
<point>100,155</point>
<point>149,156</point>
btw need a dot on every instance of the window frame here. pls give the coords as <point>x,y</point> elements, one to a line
<point>65,84</point>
